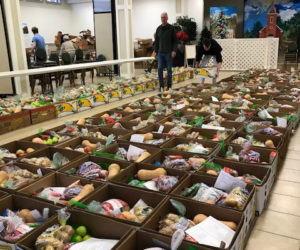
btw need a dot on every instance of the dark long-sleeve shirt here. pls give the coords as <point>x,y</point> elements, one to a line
<point>215,50</point>
<point>165,39</point>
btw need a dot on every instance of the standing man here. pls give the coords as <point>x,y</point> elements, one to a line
<point>165,49</point>
<point>37,41</point>
<point>209,48</point>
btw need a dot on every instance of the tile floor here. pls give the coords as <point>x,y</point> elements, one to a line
<point>276,229</point>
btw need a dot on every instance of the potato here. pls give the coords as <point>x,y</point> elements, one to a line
<point>38,140</point>
<point>3,176</point>
<point>212,172</point>
<point>146,175</point>
<point>26,215</point>
<point>81,121</point>
<point>29,150</point>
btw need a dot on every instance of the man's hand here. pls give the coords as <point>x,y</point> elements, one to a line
<point>173,54</point>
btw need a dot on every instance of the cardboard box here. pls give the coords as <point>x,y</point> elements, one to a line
<point>83,104</point>
<point>96,159</point>
<point>15,121</point>
<point>98,122</point>
<point>16,203</point>
<point>114,148</point>
<point>41,114</point>
<point>33,169</point>
<point>121,114</point>
<point>97,226</point>
<point>141,239</point>
<point>144,117</point>
<point>72,132</point>
<point>16,145</point>
<point>127,194</point>
<point>192,209</point>
<point>263,173</point>
<point>49,152</point>
<point>170,146</point>
<point>160,157</point>
<point>3,194</point>
<point>248,210</point>
<point>54,180</point>
<point>99,99</point>
<point>264,157</point>
<point>65,108</point>
<point>125,176</point>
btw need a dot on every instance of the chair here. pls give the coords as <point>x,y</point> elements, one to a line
<point>67,60</point>
<point>79,58</point>
<point>189,53</point>
<point>55,76</point>
<point>104,70</point>
<point>40,56</point>
<point>292,54</point>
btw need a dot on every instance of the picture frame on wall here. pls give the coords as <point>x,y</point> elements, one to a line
<point>225,19</point>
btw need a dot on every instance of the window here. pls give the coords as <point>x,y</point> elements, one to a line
<point>53,1</point>
<point>271,19</point>
<point>102,6</point>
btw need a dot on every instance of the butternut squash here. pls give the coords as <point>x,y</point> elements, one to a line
<point>143,156</point>
<point>230,224</point>
<point>87,143</point>
<point>269,143</point>
<point>3,176</point>
<point>128,109</point>
<point>113,170</point>
<point>87,189</point>
<point>201,217</point>
<point>146,175</point>
<point>38,140</point>
<point>169,123</point>
<point>81,121</point>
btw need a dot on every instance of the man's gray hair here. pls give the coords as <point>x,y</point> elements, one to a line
<point>164,13</point>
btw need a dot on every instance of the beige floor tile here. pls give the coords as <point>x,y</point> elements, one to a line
<point>293,154</point>
<point>267,241</point>
<point>291,164</point>
<point>284,204</point>
<point>279,223</point>
<point>287,188</point>
<point>289,175</point>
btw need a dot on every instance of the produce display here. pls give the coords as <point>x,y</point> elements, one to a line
<point>76,191</point>
<point>16,224</point>
<point>57,161</point>
<point>244,122</point>
<point>13,177</point>
<point>120,209</point>
<point>156,180</point>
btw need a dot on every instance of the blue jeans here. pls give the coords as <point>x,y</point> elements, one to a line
<point>164,61</point>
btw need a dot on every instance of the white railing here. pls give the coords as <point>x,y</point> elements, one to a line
<point>44,70</point>
<point>243,54</point>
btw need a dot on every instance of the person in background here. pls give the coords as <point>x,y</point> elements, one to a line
<point>58,39</point>
<point>209,48</point>
<point>37,41</point>
<point>165,49</point>
<point>68,46</point>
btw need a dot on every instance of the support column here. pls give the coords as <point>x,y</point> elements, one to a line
<point>16,43</point>
<point>124,35</point>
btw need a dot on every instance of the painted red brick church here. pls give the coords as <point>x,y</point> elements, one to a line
<point>271,29</point>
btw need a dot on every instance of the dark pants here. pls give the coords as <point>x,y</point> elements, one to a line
<point>165,61</point>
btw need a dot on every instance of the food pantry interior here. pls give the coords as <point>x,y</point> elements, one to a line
<point>135,124</point>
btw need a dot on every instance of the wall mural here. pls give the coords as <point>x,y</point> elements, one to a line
<point>223,21</point>
<point>279,18</point>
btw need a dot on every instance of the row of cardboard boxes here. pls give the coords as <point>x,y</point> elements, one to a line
<point>128,235</point>
<point>37,115</point>
<point>185,180</point>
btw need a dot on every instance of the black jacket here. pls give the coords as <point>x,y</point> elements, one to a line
<point>215,50</point>
<point>165,39</point>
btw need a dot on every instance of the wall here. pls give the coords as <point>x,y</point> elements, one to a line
<point>146,16</point>
<point>50,18</point>
<point>83,17</point>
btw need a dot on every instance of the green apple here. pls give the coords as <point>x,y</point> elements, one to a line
<point>81,230</point>
<point>86,237</point>
<point>55,139</point>
<point>49,141</point>
<point>77,238</point>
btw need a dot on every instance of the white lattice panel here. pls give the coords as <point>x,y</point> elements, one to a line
<point>241,54</point>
